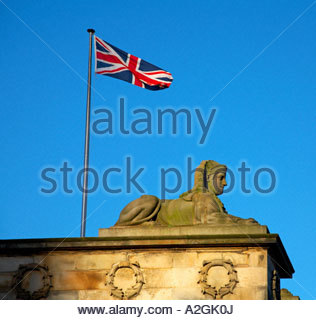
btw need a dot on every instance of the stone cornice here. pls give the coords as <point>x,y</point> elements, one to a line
<point>270,242</point>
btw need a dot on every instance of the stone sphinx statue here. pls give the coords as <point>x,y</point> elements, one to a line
<point>200,205</point>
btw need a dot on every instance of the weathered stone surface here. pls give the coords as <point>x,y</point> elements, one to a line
<point>94,295</point>
<point>79,280</point>
<point>156,294</point>
<point>188,294</point>
<point>257,258</point>
<point>189,231</point>
<point>9,264</point>
<point>153,259</point>
<point>168,274</point>
<point>98,260</point>
<point>7,295</point>
<point>171,278</point>
<point>240,258</point>
<point>63,295</point>
<point>6,280</point>
<point>185,258</point>
<point>170,265</point>
<point>58,262</point>
<point>253,293</point>
<point>287,295</point>
<point>252,277</point>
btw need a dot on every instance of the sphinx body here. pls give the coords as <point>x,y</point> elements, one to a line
<point>200,205</point>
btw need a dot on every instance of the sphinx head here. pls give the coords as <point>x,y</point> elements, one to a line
<point>212,176</point>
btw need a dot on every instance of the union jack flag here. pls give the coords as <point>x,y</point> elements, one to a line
<point>116,63</point>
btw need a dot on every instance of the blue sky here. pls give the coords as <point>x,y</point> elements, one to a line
<point>254,62</point>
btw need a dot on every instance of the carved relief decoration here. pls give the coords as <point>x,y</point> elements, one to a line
<point>226,288</point>
<point>132,291</point>
<point>22,282</point>
<point>275,286</point>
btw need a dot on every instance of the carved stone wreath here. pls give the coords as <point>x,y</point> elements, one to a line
<point>227,288</point>
<point>131,291</point>
<point>20,278</point>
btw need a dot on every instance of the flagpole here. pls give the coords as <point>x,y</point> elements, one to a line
<point>86,145</point>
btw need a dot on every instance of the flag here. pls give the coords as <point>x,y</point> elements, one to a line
<point>116,63</point>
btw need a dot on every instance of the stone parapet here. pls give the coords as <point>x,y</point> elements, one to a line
<point>158,263</point>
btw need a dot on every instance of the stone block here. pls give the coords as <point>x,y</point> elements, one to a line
<point>287,295</point>
<point>258,258</point>
<point>58,262</point>
<point>9,264</point>
<point>171,278</point>
<point>188,294</point>
<point>155,294</point>
<point>192,230</point>
<point>7,295</point>
<point>261,293</point>
<point>79,280</point>
<point>252,277</point>
<point>153,259</point>
<point>6,280</point>
<point>157,278</point>
<point>237,258</point>
<point>238,294</point>
<point>94,295</point>
<point>184,259</point>
<point>206,256</point>
<point>254,293</point>
<point>98,260</point>
<point>63,295</point>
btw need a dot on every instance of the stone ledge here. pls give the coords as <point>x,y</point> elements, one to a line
<point>172,239</point>
<point>187,231</point>
<point>129,242</point>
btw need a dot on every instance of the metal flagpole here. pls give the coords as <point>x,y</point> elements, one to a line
<point>86,144</point>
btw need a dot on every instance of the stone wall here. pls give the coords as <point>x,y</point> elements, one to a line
<point>167,274</point>
<point>172,266</point>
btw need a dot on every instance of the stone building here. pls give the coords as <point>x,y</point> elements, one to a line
<point>187,248</point>
<point>185,262</point>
